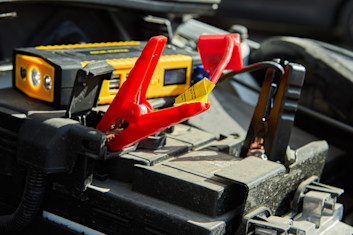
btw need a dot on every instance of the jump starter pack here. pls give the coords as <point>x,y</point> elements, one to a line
<point>47,73</point>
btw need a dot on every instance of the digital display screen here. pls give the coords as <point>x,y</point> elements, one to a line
<point>174,76</point>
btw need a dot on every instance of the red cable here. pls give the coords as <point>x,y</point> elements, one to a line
<point>225,59</point>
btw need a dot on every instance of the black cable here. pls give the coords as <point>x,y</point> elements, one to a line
<point>326,119</point>
<point>29,206</point>
<point>254,67</point>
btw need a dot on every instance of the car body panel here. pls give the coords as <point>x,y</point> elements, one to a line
<point>320,13</point>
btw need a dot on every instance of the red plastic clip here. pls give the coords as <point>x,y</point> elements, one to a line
<point>220,52</point>
<point>130,104</point>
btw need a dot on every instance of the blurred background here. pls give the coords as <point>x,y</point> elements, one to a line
<point>326,20</point>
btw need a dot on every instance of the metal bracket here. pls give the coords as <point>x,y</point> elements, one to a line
<point>317,200</point>
<point>262,222</point>
<point>319,210</point>
<point>313,185</point>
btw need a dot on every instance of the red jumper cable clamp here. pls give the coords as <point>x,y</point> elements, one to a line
<point>220,52</point>
<point>131,106</point>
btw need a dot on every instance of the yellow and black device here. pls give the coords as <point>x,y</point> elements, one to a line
<point>48,72</point>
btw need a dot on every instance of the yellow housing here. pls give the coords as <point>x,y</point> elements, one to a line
<point>158,86</point>
<point>28,66</point>
<point>88,45</point>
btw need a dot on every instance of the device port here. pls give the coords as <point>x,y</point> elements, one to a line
<point>114,83</point>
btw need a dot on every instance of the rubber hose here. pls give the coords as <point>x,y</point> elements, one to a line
<point>29,205</point>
